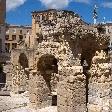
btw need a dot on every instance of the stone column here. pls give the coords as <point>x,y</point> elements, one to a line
<point>15,80</point>
<point>71,93</point>
<point>100,84</point>
<point>38,91</point>
<point>19,80</point>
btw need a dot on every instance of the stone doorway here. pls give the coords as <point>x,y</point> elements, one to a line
<point>54,100</point>
<point>47,65</point>
<point>86,60</point>
<point>22,74</point>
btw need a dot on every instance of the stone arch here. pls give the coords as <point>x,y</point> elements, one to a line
<point>20,75</point>
<point>45,80</point>
<point>89,45</point>
<point>47,62</point>
<point>23,60</point>
<point>47,65</point>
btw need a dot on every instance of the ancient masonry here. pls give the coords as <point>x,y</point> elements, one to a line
<point>65,62</point>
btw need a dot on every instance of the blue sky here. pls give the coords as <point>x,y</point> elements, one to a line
<point>19,11</point>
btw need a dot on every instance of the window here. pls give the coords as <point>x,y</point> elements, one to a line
<point>7,47</point>
<point>14,45</point>
<point>14,30</point>
<point>7,31</point>
<point>38,18</point>
<point>13,37</point>
<point>20,37</point>
<point>109,31</point>
<point>21,31</point>
<point>43,17</point>
<point>27,31</point>
<point>7,37</point>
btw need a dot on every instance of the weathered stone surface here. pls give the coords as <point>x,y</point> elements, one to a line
<point>59,46</point>
<point>100,86</point>
<point>72,95</point>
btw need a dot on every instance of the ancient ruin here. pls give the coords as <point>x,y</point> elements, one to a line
<point>64,63</point>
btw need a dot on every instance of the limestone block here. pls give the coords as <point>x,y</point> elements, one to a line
<point>71,94</point>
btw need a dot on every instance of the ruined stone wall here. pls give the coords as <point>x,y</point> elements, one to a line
<point>49,39</point>
<point>100,93</point>
<point>7,69</point>
<point>39,92</point>
<point>65,36</point>
<point>64,60</point>
<point>71,92</point>
<point>21,62</point>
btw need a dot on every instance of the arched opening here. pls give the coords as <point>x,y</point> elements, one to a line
<point>47,65</point>
<point>89,46</point>
<point>23,61</point>
<point>23,73</point>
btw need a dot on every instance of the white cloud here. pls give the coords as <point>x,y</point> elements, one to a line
<point>12,4</point>
<point>57,4</point>
<point>83,1</point>
<point>107,4</point>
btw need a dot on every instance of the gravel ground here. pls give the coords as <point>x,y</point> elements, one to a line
<point>26,109</point>
<point>18,103</point>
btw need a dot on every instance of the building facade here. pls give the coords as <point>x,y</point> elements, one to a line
<point>108,27</point>
<point>15,34</point>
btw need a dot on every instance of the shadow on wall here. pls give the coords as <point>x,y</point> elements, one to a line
<point>2,77</point>
<point>23,61</point>
<point>47,65</point>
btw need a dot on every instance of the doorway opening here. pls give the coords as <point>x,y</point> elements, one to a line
<point>54,100</point>
<point>47,65</point>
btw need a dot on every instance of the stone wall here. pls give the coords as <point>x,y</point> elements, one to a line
<point>40,95</point>
<point>71,93</point>
<point>100,89</point>
<point>20,70</point>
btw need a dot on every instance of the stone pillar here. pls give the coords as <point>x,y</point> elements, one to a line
<point>38,91</point>
<point>19,80</point>
<point>15,80</point>
<point>71,94</point>
<point>100,85</point>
